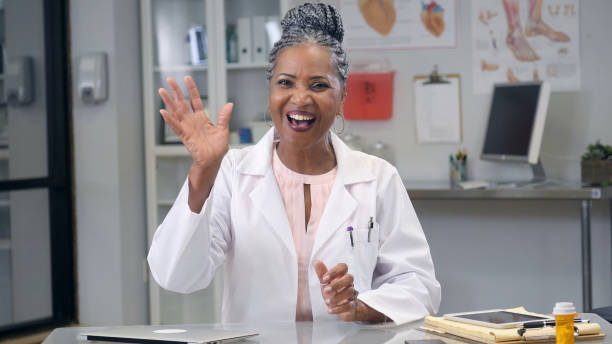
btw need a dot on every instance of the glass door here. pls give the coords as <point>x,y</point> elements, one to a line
<point>36,247</point>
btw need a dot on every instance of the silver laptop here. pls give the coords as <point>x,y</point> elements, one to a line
<point>165,334</point>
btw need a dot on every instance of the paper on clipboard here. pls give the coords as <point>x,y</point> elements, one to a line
<point>438,110</point>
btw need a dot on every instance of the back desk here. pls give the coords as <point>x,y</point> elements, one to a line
<point>551,191</point>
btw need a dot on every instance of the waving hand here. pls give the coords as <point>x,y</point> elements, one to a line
<point>206,143</point>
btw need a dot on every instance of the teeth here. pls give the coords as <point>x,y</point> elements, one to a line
<point>300,117</point>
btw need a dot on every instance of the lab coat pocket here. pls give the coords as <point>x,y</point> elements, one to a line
<point>363,257</point>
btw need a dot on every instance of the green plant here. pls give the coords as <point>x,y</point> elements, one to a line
<point>598,151</point>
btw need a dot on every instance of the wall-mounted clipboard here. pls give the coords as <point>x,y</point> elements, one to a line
<point>437,101</point>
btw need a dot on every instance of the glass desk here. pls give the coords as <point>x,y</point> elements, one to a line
<point>319,332</point>
<point>545,191</point>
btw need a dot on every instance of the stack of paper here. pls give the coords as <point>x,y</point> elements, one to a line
<point>507,335</point>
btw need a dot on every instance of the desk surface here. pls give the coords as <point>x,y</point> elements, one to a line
<point>551,191</point>
<point>321,332</point>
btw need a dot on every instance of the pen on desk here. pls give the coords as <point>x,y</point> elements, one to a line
<point>349,229</point>
<point>544,323</point>
<point>370,226</point>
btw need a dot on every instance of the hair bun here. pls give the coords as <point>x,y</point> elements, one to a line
<point>314,17</point>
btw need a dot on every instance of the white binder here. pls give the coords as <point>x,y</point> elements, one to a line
<point>258,33</point>
<point>273,32</point>
<point>245,42</point>
<point>197,44</point>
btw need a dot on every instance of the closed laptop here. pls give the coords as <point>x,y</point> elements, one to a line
<point>165,334</point>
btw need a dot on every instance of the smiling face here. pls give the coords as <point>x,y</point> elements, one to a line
<point>305,95</point>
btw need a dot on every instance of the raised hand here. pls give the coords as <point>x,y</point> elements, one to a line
<point>206,143</point>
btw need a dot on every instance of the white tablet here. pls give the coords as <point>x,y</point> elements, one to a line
<point>496,318</point>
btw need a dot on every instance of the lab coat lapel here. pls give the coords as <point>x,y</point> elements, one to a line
<point>265,196</point>
<point>267,200</point>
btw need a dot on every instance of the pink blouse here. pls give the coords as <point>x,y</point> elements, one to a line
<point>291,185</point>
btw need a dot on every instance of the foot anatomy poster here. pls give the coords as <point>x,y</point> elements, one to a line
<point>525,40</point>
<point>399,24</point>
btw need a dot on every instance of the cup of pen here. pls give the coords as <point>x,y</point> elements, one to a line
<point>458,168</point>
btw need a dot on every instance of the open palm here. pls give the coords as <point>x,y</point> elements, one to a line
<point>206,143</point>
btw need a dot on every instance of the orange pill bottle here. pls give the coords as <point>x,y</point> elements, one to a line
<point>564,313</point>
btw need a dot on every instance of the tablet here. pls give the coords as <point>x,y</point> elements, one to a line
<point>496,318</point>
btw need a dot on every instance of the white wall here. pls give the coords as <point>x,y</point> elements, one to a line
<point>109,168</point>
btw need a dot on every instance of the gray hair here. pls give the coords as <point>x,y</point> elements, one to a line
<point>318,24</point>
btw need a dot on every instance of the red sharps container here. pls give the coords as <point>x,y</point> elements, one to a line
<point>369,91</point>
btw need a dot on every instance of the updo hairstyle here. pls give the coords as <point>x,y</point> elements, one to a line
<point>315,24</point>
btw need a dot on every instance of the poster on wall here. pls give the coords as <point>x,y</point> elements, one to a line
<point>399,24</point>
<point>525,40</point>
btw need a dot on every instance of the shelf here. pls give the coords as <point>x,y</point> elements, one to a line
<point>5,244</point>
<point>180,68</point>
<point>235,66</point>
<point>203,68</point>
<point>165,202</point>
<point>181,151</point>
<point>171,151</point>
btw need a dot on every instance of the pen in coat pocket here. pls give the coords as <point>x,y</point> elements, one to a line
<point>370,226</point>
<point>349,229</point>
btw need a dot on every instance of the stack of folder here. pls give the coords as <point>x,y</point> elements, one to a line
<point>439,325</point>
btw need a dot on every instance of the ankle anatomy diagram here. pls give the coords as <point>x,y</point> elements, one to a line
<point>524,38</point>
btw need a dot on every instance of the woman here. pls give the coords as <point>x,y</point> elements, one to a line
<point>299,201</point>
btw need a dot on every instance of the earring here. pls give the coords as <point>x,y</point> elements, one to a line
<point>338,132</point>
<point>266,118</point>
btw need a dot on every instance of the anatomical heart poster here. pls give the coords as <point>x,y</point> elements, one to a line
<point>525,40</point>
<point>399,24</point>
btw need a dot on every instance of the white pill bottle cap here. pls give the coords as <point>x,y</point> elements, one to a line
<point>564,308</point>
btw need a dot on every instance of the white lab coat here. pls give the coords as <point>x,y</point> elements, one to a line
<point>243,223</point>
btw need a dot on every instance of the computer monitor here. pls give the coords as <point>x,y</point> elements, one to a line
<point>516,124</point>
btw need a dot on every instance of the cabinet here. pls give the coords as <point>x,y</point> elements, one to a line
<point>166,52</point>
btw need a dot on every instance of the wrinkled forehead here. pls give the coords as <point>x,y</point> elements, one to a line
<point>306,60</point>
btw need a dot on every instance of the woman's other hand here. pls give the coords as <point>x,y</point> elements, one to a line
<point>337,290</point>
<point>340,295</point>
<point>206,143</point>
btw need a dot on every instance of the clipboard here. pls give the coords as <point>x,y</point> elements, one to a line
<point>435,77</point>
<point>485,334</point>
<point>437,105</point>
